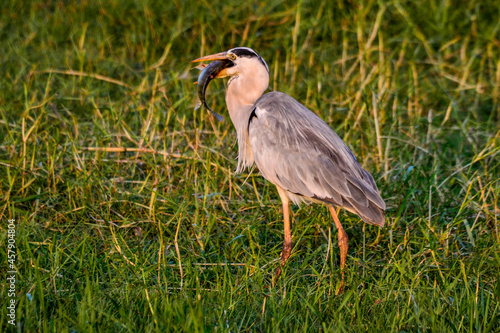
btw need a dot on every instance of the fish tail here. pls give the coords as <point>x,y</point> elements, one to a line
<point>218,116</point>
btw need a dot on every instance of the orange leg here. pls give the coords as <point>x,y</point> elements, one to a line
<point>343,243</point>
<point>287,244</point>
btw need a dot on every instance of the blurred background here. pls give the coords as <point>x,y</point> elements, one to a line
<point>129,215</point>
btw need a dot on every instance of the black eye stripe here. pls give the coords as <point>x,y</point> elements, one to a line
<point>241,52</point>
<point>247,53</point>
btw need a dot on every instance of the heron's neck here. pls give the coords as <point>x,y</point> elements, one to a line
<point>242,92</point>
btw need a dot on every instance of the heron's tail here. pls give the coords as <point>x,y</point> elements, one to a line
<point>372,214</point>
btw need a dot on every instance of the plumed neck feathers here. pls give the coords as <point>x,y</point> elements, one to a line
<point>247,84</point>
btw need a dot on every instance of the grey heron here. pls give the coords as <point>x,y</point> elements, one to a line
<point>293,148</point>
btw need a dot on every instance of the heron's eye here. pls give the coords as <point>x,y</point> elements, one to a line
<point>232,56</point>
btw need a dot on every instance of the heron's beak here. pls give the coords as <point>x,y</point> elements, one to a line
<point>217,56</point>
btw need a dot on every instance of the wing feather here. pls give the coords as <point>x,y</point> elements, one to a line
<point>296,150</point>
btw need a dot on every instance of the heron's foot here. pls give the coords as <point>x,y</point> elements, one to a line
<point>276,276</point>
<point>285,254</point>
<point>340,289</point>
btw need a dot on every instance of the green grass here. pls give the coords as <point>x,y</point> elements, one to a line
<point>164,236</point>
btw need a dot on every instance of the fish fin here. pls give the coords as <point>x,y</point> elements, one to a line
<point>200,67</point>
<point>198,104</point>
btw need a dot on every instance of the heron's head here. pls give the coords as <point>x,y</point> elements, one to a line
<point>240,61</point>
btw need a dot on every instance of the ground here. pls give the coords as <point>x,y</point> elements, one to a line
<point>128,215</point>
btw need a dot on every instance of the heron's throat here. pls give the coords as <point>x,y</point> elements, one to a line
<point>245,89</point>
<point>242,93</point>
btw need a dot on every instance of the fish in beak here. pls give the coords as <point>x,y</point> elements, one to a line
<point>208,73</point>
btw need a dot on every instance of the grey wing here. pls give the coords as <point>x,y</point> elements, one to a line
<point>296,150</point>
